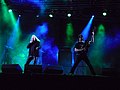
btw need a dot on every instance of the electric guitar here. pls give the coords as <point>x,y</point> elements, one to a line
<point>83,48</point>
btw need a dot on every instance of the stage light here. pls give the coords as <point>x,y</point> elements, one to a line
<point>69,15</point>
<point>19,15</point>
<point>37,16</point>
<point>92,16</point>
<point>104,13</point>
<point>10,10</point>
<point>50,15</point>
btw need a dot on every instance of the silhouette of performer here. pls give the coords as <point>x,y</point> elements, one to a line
<point>81,49</point>
<point>33,47</point>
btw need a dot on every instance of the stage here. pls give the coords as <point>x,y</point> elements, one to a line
<point>55,82</point>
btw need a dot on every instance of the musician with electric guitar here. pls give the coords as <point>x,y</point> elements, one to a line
<point>81,49</point>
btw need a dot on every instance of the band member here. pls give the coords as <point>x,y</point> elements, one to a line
<point>33,47</point>
<point>81,49</point>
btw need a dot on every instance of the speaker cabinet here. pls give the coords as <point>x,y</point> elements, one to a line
<point>11,69</point>
<point>31,69</point>
<point>53,69</point>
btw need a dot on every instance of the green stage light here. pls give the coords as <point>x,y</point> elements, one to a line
<point>97,51</point>
<point>69,34</point>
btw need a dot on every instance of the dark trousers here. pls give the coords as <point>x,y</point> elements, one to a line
<point>86,60</point>
<point>30,58</point>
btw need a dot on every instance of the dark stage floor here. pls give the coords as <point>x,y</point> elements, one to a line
<point>58,82</point>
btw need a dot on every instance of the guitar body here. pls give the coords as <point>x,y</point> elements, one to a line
<point>81,47</point>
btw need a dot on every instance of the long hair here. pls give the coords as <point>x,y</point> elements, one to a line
<point>34,38</point>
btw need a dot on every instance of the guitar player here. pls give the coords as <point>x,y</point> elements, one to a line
<point>81,49</point>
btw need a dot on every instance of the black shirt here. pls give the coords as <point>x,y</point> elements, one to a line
<point>34,48</point>
<point>81,45</point>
